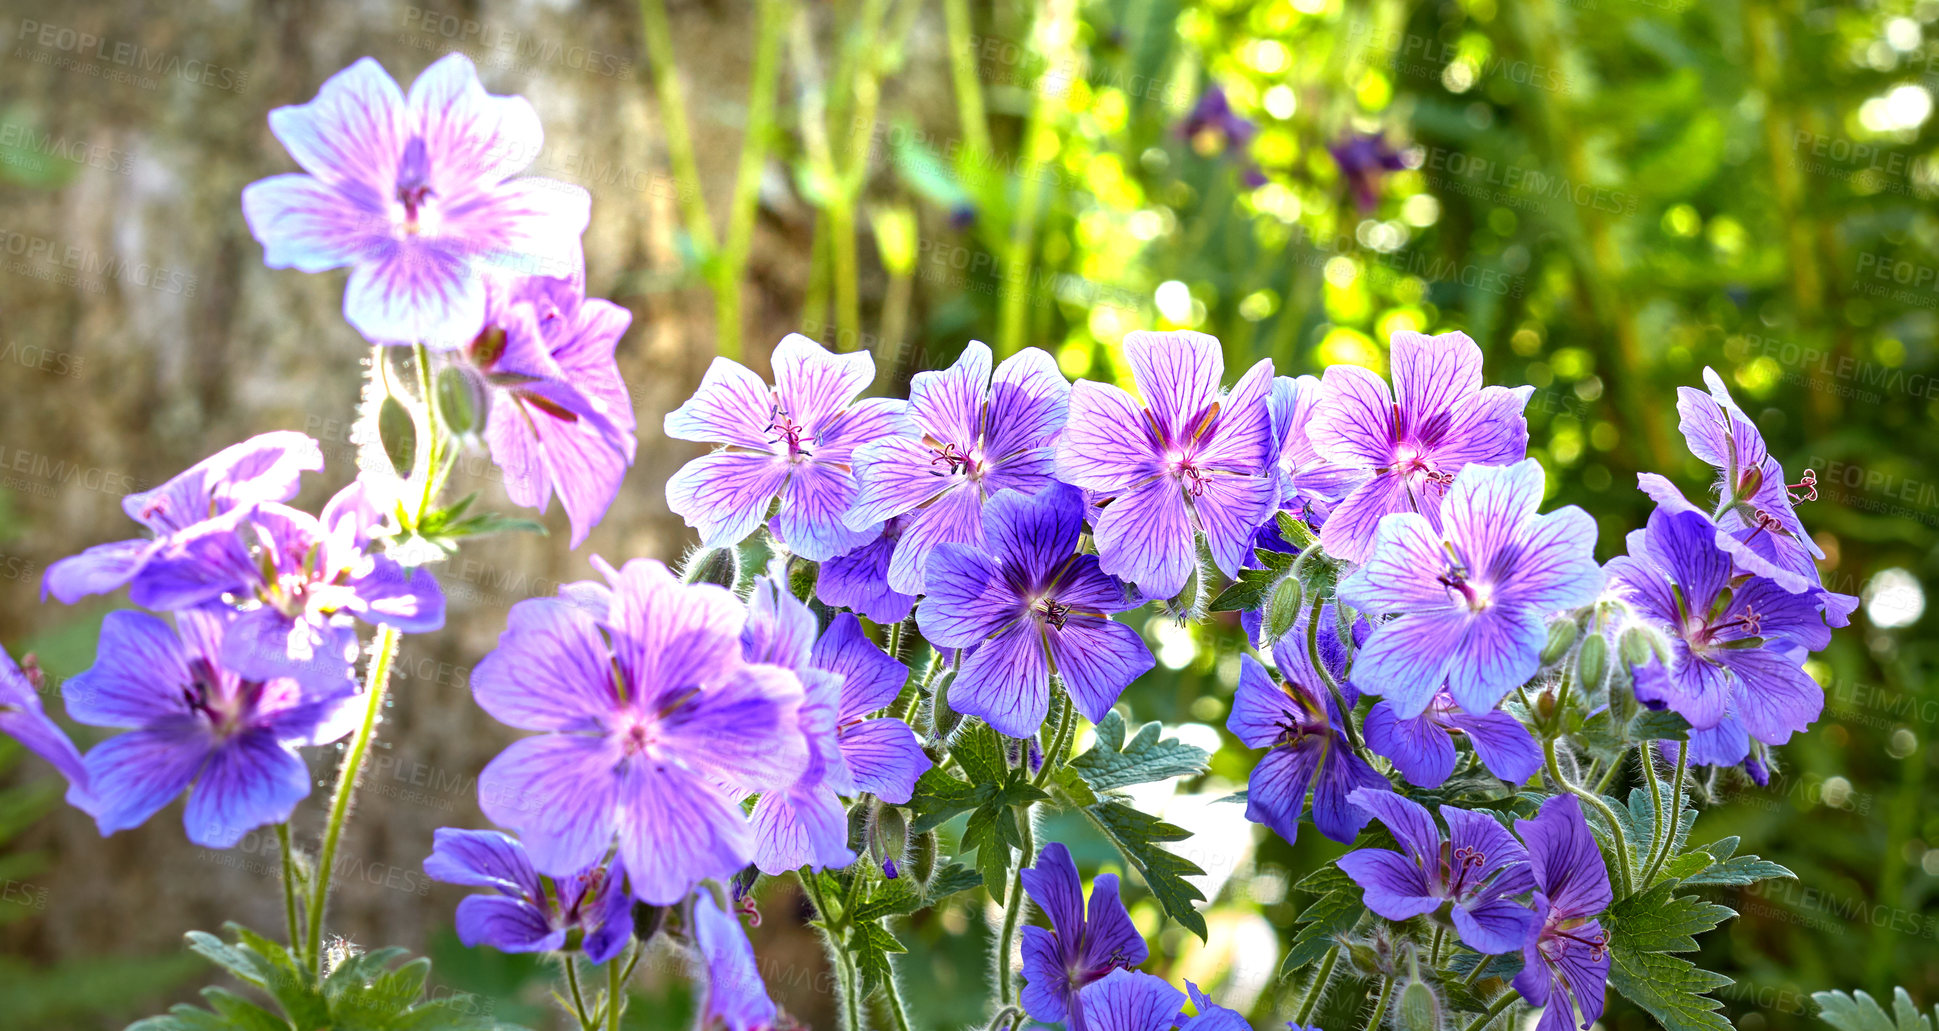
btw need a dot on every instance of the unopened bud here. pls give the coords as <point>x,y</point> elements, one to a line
<point>922,857</point>
<point>943,720</point>
<point>398,434</point>
<point>802,575</point>
<point>1562,634</point>
<point>462,400</point>
<point>1640,644</point>
<point>889,836</point>
<point>1420,1008</point>
<point>721,566</point>
<point>1592,660</point>
<point>1282,609</point>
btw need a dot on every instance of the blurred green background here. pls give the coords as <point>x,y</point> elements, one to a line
<point>1608,195</point>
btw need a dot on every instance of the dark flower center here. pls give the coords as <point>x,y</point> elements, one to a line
<point>785,430</point>
<point>1458,865</point>
<point>413,181</point>
<point>1558,937</point>
<point>1055,612</point>
<point>954,461</point>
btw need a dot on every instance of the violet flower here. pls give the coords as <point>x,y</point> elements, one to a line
<point>21,715</point>
<point>1565,965</point>
<point>522,916</point>
<point>1755,522</point>
<point>263,468</point>
<point>304,581</point>
<point>1737,644</point>
<point>1030,606</point>
<point>651,726</point>
<point>859,580</point>
<point>416,197</point>
<point>1470,596</point>
<point>971,434</point>
<point>1309,486</point>
<point>1081,947</point>
<point>735,998</point>
<point>1210,1015</point>
<point>1475,868</point>
<point>1186,462</point>
<point>1409,443</point>
<point>194,724</point>
<point>845,677</point>
<point>1127,1000</point>
<point>1362,158</point>
<point>1307,748</point>
<point>560,418</point>
<point>1422,748</point>
<point>795,441</point>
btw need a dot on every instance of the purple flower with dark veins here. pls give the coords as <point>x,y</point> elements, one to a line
<point>1565,965</point>
<point>1409,443</point>
<point>651,726</point>
<point>194,724</point>
<point>1301,728</point>
<point>559,417</point>
<point>263,468</point>
<point>1186,462</point>
<point>1422,748</point>
<point>1309,486</point>
<point>796,441</point>
<point>1470,596</point>
<point>1475,869</point>
<point>845,678</point>
<point>1755,521</point>
<point>21,715</point>
<point>1079,948</point>
<point>417,197</point>
<point>1029,606</point>
<point>859,580</point>
<point>522,916</point>
<point>302,580</point>
<point>1737,643</point>
<point>1128,1000</point>
<point>735,997</point>
<point>971,435</point>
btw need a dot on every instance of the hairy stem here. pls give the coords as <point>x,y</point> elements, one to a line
<point>1312,1001</point>
<point>1656,805</point>
<point>831,940</point>
<point>1672,818</point>
<point>353,761</point>
<point>289,889</point>
<point>1013,912</point>
<point>1434,950</point>
<point>1059,744</point>
<point>578,997</point>
<point>615,995</point>
<point>894,995</point>
<point>1380,1006</point>
<point>1494,1010</point>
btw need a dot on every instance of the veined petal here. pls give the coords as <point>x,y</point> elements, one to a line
<point>947,404</point>
<point>813,503</point>
<point>1432,376</point>
<point>505,924</point>
<point>1340,773</point>
<point>1034,534</point>
<point>966,600</point>
<point>1412,825</point>
<point>1006,681</point>
<point>896,475</point>
<point>1488,429</point>
<point>1230,510</point>
<point>415,290</point>
<point>475,137</point>
<point>1393,886</point>
<point>1241,440</point>
<point>1353,524</point>
<point>1486,511</point>
<point>1178,375</point>
<point>954,518</point>
<point>731,406</point>
<point>1107,445</point>
<point>133,775</point>
<point>1029,403</point>
<point>814,383</point>
<point>1407,659</point>
<point>1259,706</point>
<point>676,830</point>
<point>1494,927</point>
<point>140,671</point>
<point>1130,1000</point>
<point>353,133</point>
<point>1145,536</point>
<point>1276,791</point>
<point>1109,935</point>
<point>800,827</point>
<point>1774,697</point>
<point>1419,748</point>
<point>871,677</point>
<point>1500,651</point>
<point>561,793</point>
<point>1052,883</point>
<point>725,495</point>
<point>1502,744</point>
<point>741,730</point>
<point>885,758</point>
<point>249,781</point>
<point>98,570</point>
<point>552,670</point>
<point>1097,660</point>
<point>1403,571</point>
<point>481,859</point>
<point>308,225</point>
<point>1353,422</point>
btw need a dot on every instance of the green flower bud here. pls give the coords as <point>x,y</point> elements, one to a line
<point>1562,634</point>
<point>1282,609</point>
<point>802,575</point>
<point>1592,660</point>
<point>1420,1008</point>
<point>462,401</point>
<point>922,857</point>
<point>888,838</point>
<point>943,720</point>
<point>721,566</point>
<point>398,433</point>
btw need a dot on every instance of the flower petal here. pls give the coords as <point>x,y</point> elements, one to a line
<point>885,758</point>
<point>1392,885</point>
<point>1097,660</point>
<point>1145,536</point>
<point>725,495</point>
<point>1029,403</point>
<point>561,793</point>
<point>140,671</point>
<point>1005,681</point>
<point>1419,748</point>
<point>552,670</point>
<point>732,405</point>
<point>800,827</point>
<point>249,781</point>
<point>1107,445</point>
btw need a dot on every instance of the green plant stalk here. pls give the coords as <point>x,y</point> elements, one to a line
<point>1380,1006</point>
<point>615,995</point>
<point>289,888</point>
<point>578,997</point>
<point>673,111</point>
<point>1059,744</point>
<point>894,996</point>
<point>1434,950</point>
<point>1326,676</point>
<point>1656,806</point>
<point>1494,1010</point>
<point>1595,802</point>
<point>963,70</point>
<point>353,761</point>
<point>1313,994</point>
<point>771,18</point>
<point>1674,816</point>
<point>831,940</point>
<point>1013,902</point>
<point>1054,34</point>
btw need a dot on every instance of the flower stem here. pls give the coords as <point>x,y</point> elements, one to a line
<point>353,761</point>
<point>578,998</point>
<point>1059,744</point>
<point>1507,999</point>
<point>1313,994</point>
<point>673,114</point>
<point>1013,910</point>
<point>1674,816</point>
<point>1656,803</point>
<point>1434,950</point>
<point>289,888</point>
<point>1326,677</point>
<point>831,940</point>
<point>615,995</point>
<point>1595,801</point>
<point>896,1012</point>
<point>1380,1006</point>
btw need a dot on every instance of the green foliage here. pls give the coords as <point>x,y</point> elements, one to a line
<point>1111,764</point>
<point>367,991</point>
<point>1647,931</point>
<point>1859,1012</point>
<point>991,795</point>
<point>449,526</point>
<point>1336,906</point>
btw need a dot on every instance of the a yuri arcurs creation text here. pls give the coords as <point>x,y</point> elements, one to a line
<point>903,617</point>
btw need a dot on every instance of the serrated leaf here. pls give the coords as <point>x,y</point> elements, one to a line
<point>1148,757</point>
<point>1658,920</point>
<point>890,898</point>
<point>1741,870</point>
<point>980,751</point>
<point>1248,592</point>
<point>1137,835</point>
<point>870,944</point>
<point>238,1012</point>
<point>1658,725</point>
<point>184,1017</point>
<point>939,796</point>
<point>1318,924</point>
<point>1860,1012</point>
<point>244,966</point>
<point>951,880</point>
<point>1644,930</point>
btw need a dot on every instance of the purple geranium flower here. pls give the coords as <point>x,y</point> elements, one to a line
<point>736,999</point>
<point>1028,607</point>
<point>845,677</point>
<point>1183,463</point>
<point>1211,1016</point>
<point>1301,728</point>
<point>795,441</point>
<point>1309,486</point>
<point>522,916</point>
<point>1565,964</point>
<point>21,715</point>
<point>652,723</point>
<point>1470,603</point>
<point>1422,748</point>
<point>1476,867</point>
<point>303,578</point>
<point>194,721</point>
<point>1737,643</point>
<point>859,580</point>
<point>1410,449</point>
<point>1128,1000</point>
<point>971,435</point>
<point>1362,158</point>
<point>1755,522</point>
<point>416,196</point>
<point>560,418</point>
<point>262,468</point>
<point>1079,948</point>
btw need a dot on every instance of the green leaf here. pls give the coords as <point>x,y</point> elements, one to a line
<point>1645,930</point>
<point>870,944</point>
<point>1335,908</point>
<point>1248,592</point>
<point>1860,1012</point>
<point>890,898</point>
<point>992,832</point>
<point>239,1012</point>
<point>951,880</point>
<point>187,1018</point>
<point>1110,763</point>
<point>1137,835</point>
<point>940,796</point>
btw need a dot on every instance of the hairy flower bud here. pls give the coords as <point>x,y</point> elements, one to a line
<point>462,401</point>
<point>399,435</point>
<point>888,837</point>
<point>1592,660</point>
<point>1562,635</point>
<point>1419,1008</point>
<point>1282,609</point>
<point>721,566</point>
<point>943,720</point>
<point>922,857</point>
